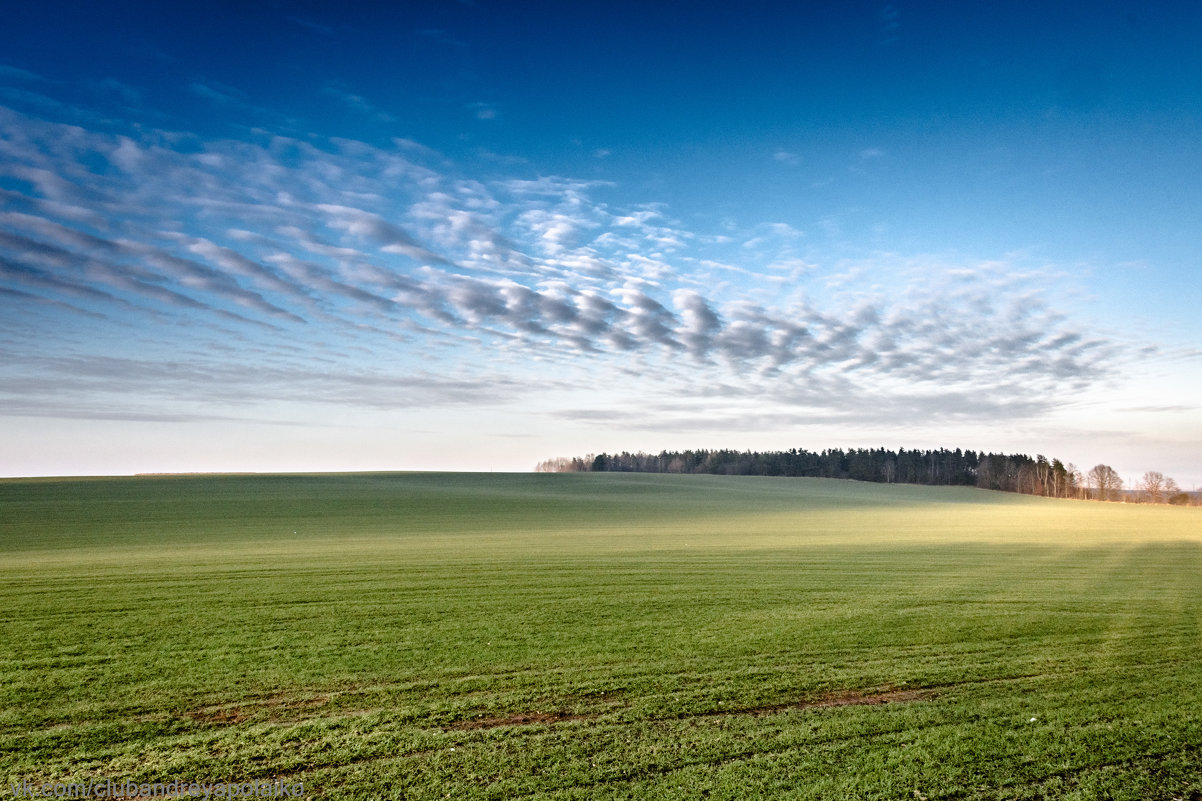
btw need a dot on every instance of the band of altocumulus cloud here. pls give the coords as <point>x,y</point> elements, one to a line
<point>155,275</point>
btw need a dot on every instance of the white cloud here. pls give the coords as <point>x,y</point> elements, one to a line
<point>350,248</point>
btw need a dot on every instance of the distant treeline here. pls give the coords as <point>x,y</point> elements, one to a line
<point>996,471</point>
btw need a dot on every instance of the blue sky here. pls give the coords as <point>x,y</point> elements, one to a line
<point>307,236</point>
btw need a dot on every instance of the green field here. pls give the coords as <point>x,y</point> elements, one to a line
<point>474,636</point>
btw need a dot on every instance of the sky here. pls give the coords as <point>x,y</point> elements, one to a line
<point>293,236</point>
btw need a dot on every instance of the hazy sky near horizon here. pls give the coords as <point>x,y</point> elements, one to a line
<point>475,235</point>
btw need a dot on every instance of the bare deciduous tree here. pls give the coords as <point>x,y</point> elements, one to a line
<point>1156,487</point>
<point>1106,482</point>
<point>1152,486</point>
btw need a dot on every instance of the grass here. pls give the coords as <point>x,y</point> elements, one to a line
<point>598,636</point>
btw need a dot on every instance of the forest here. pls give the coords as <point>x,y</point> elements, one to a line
<point>996,471</point>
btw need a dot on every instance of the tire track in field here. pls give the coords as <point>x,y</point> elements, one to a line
<point>540,722</point>
<point>746,755</point>
<point>535,726</point>
<point>1073,772</point>
<point>728,757</point>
